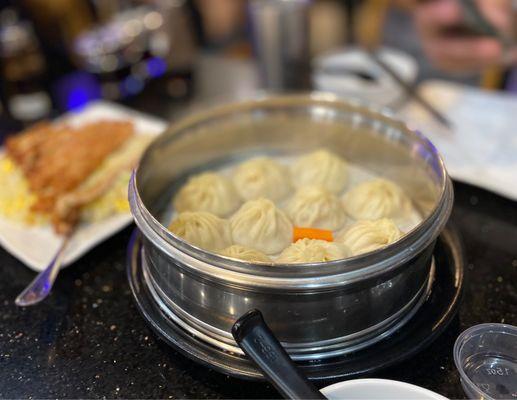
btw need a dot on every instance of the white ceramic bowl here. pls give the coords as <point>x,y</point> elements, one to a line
<point>384,91</point>
<point>378,389</point>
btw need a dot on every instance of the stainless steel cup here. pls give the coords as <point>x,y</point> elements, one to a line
<point>280,36</point>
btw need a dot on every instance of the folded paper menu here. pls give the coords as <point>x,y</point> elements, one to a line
<point>481,146</point>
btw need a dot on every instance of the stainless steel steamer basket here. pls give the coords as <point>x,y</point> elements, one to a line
<point>317,310</point>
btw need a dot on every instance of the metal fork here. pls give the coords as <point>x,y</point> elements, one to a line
<point>42,284</point>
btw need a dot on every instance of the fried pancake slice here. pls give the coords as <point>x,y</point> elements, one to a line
<point>57,158</point>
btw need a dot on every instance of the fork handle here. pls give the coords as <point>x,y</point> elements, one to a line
<point>40,287</point>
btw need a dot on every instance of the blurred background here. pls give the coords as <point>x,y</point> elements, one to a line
<point>162,56</point>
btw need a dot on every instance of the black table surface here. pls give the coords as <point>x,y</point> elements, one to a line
<point>88,340</point>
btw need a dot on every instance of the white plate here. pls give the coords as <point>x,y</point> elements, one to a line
<point>36,246</point>
<point>481,147</point>
<point>382,92</point>
<point>378,389</point>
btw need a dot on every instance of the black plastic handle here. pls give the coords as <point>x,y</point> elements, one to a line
<point>260,344</point>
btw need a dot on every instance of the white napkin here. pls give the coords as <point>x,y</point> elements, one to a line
<point>481,147</point>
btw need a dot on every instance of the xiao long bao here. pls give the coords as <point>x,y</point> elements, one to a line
<point>364,236</point>
<point>313,250</point>
<point>321,168</point>
<point>316,207</point>
<point>209,192</point>
<point>376,199</point>
<point>261,225</point>
<point>245,254</point>
<point>202,229</point>
<point>249,211</point>
<point>262,177</point>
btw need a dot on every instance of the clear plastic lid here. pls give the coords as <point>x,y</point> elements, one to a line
<point>486,357</point>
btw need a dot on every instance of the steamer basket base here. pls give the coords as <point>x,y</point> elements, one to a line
<point>403,341</point>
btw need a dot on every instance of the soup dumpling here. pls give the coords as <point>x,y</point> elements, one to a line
<point>316,207</point>
<point>366,235</point>
<point>262,177</point>
<point>209,192</point>
<point>261,225</point>
<point>202,229</point>
<point>245,254</point>
<point>376,199</point>
<point>313,250</point>
<point>321,167</point>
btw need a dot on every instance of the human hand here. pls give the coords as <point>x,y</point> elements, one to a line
<point>437,22</point>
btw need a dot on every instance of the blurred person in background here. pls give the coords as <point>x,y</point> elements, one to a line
<point>57,24</point>
<point>222,22</point>
<point>223,25</point>
<point>439,24</point>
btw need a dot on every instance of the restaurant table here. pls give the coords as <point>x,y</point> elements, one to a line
<point>88,340</point>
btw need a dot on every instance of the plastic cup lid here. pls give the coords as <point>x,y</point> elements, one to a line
<point>486,358</point>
